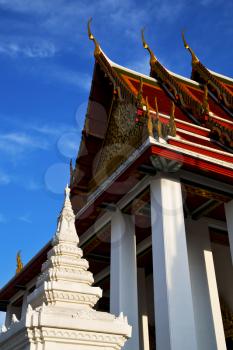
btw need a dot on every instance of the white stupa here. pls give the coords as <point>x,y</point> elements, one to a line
<point>60,314</point>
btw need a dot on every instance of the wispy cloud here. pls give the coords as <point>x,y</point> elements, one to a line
<point>25,218</point>
<point>41,50</point>
<point>17,143</point>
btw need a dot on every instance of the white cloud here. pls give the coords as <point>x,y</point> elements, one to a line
<point>40,50</point>
<point>17,143</point>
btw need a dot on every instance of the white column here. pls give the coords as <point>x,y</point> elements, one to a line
<point>143,311</point>
<point>208,319</point>
<point>123,274</point>
<point>229,217</point>
<point>174,315</point>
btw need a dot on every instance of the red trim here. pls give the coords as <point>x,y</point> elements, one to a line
<point>202,165</point>
<point>200,150</point>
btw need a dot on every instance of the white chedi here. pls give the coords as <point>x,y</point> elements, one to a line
<point>64,277</point>
<point>61,306</point>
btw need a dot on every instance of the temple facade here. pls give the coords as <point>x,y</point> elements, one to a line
<point>152,193</point>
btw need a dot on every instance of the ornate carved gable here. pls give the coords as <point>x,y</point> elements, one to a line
<point>123,136</point>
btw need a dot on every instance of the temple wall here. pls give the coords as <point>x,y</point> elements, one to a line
<point>224,272</point>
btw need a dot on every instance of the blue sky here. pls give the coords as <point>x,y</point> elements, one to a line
<point>46,63</point>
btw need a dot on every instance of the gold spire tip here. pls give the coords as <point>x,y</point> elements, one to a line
<point>153,58</point>
<point>143,39</point>
<point>187,47</point>
<point>91,37</point>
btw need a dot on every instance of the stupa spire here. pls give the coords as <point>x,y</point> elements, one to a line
<point>66,222</point>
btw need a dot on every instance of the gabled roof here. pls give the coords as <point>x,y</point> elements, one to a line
<point>220,86</point>
<point>199,119</point>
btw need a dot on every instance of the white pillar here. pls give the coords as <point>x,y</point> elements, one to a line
<point>143,311</point>
<point>123,274</point>
<point>208,319</point>
<point>174,315</point>
<point>229,217</point>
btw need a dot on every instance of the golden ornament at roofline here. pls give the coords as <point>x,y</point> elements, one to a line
<point>19,266</point>
<point>195,59</point>
<point>153,58</point>
<point>91,37</point>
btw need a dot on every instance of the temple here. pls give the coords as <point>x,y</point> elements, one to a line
<point>152,194</point>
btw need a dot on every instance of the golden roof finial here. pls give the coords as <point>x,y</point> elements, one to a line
<point>194,57</point>
<point>19,262</point>
<point>153,58</point>
<point>91,37</point>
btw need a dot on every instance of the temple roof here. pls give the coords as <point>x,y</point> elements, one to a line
<point>221,87</point>
<point>200,118</point>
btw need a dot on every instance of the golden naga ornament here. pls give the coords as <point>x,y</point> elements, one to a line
<point>195,59</point>
<point>153,58</point>
<point>19,262</point>
<point>91,37</point>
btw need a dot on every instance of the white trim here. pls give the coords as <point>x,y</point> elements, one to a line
<point>128,70</point>
<point>193,154</point>
<point>221,75</point>
<point>212,115</point>
<point>116,65</point>
<point>201,146</point>
<point>183,78</point>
